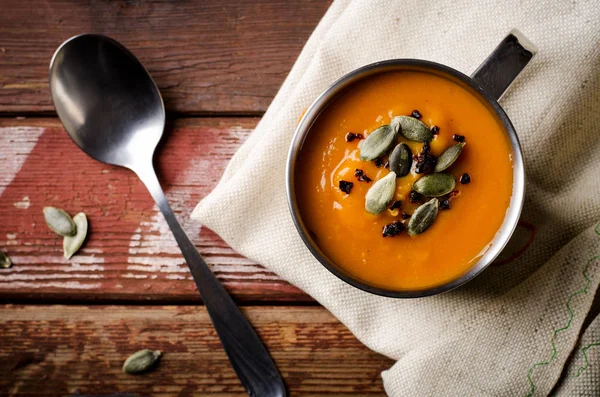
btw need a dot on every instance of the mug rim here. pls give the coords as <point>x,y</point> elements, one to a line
<point>513,211</point>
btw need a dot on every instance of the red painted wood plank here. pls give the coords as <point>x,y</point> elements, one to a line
<point>206,56</point>
<point>130,253</point>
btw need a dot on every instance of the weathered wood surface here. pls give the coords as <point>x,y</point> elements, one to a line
<point>64,350</point>
<point>209,58</point>
<point>130,253</point>
<point>206,56</point>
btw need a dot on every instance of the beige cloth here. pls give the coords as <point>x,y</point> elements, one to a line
<point>514,330</point>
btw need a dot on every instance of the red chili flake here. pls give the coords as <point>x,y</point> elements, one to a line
<point>352,136</point>
<point>346,186</point>
<point>396,204</point>
<point>405,215</point>
<point>465,179</point>
<point>453,194</point>
<point>415,197</point>
<point>458,138</point>
<point>445,204</point>
<point>392,229</point>
<point>425,160</point>
<point>416,114</point>
<point>360,175</point>
<point>435,130</point>
<point>378,162</point>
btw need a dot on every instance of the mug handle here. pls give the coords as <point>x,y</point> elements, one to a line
<point>504,64</point>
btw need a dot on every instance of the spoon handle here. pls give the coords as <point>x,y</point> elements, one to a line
<point>248,356</point>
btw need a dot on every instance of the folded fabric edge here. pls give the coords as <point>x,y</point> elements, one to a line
<point>589,239</point>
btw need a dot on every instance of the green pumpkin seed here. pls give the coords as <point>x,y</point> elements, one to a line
<point>59,221</point>
<point>5,261</point>
<point>449,157</point>
<point>435,185</point>
<point>380,194</point>
<point>71,244</point>
<point>412,129</point>
<point>401,160</point>
<point>423,217</point>
<point>141,361</point>
<point>377,143</point>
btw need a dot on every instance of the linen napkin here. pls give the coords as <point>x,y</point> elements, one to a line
<point>527,326</point>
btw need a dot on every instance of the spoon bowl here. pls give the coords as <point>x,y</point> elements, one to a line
<point>107,101</point>
<point>112,109</point>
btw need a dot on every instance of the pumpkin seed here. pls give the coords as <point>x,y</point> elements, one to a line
<point>381,194</point>
<point>412,129</point>
<point>71,244</point>
<point>449,157</point>
<point>435,185</point>
<point>377,143</point>
<point>141,361</point>
<point>423,217</point>
<point>401,160</point>
<point>59,221</point>
<point>5,261</point>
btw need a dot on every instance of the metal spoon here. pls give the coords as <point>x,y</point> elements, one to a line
<point>112,109</point>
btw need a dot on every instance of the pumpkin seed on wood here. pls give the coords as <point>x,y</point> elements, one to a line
<point>377,142</point>
<point>401,160</point>
<point>5,261</point>
<point>59,221</point>
<point>71,244</point>
<point>141,361</point>
<point>412,129</point>
<point>381,194</point>
<point>435,185</point>
<point>423,217</point>
<point>449,157</point>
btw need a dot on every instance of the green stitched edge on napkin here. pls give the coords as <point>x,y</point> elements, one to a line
<point>587,364</point>
<point>557,331</point>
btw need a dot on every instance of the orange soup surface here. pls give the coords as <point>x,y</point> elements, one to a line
<point>352,237</point>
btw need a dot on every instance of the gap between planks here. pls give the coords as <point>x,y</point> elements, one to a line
<point>171,115</point>
<point>94,301</point>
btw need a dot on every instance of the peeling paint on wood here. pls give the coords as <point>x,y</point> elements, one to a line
<point>15,145</point>
<point>130,252</point>
<point>23,204</point>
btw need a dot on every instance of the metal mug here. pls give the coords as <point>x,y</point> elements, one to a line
<point>489,82</point>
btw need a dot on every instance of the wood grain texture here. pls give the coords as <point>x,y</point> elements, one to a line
<point>64,350</point>
<point>206,56</point>
<point>130,253</point>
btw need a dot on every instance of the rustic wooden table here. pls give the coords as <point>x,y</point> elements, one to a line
<point>67,326</point>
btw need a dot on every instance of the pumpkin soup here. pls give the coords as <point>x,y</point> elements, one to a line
<point>404,179</point>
